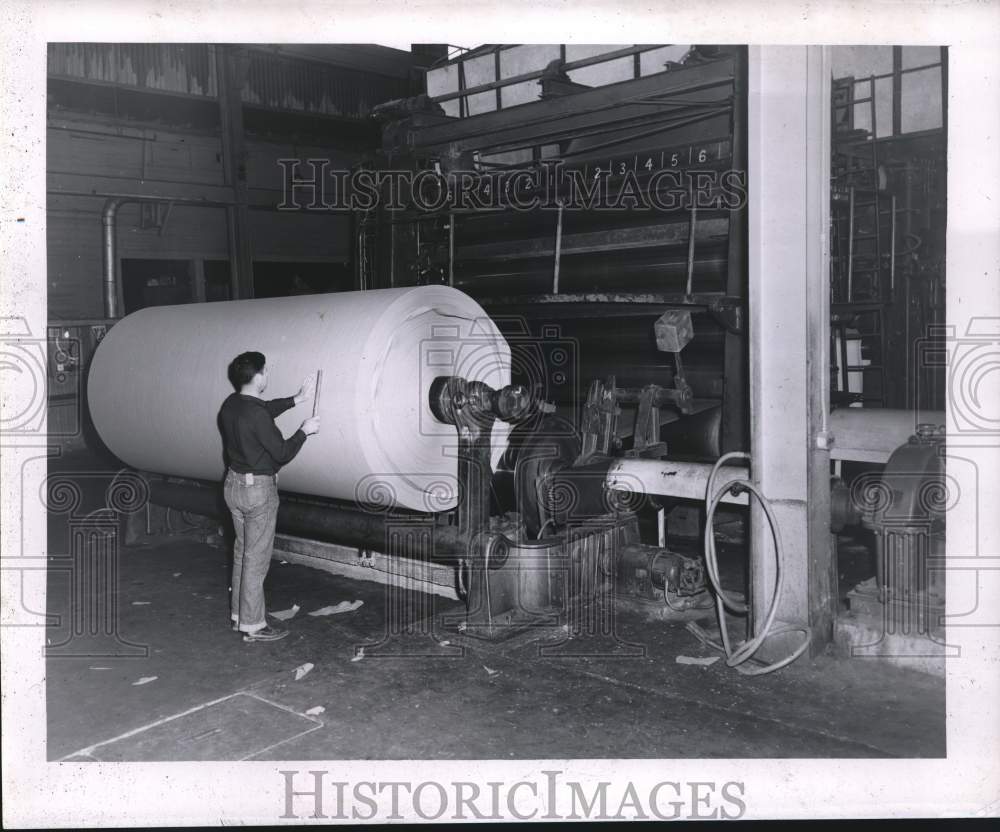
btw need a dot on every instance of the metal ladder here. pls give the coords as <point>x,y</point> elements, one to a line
<point>858,260</point>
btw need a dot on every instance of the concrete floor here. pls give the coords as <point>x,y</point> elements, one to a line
<point>434,702</point>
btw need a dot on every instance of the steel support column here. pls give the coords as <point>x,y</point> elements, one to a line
<point>734,409</point>
<point>231,65</point>
<point>789,162</point>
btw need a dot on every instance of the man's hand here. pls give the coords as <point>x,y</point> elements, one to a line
<point>310,426</point>
<point>307,389</point>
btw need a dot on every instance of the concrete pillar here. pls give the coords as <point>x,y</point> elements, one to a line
<point>789,161</point>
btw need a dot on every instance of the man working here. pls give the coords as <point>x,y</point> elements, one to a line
<point>255,450</point>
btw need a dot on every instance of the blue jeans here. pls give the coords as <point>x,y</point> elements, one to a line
<point>255,513</point>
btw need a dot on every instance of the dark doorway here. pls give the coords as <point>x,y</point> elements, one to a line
<point>156,283</point>
<point>218,280</point>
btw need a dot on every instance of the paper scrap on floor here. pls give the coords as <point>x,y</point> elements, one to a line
<point>315,711</point>
<point>285,615</point>
<point>145,680</point>
<point>302,670</point>
<point>343,606</point>
<point>705,662</point>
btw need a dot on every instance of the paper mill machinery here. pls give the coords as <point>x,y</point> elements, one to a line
<point>429,458</point>
<point>423,435</point>
<point>511,390</point>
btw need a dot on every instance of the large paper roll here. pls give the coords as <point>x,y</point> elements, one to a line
<point>158,379</point>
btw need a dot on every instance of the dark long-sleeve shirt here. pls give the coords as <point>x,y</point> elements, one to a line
<point>254,445</point>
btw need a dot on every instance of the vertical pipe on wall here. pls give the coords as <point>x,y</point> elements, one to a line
<point>451,248</point>
<point>555,268</point>
<point>497,75</point>
<point>109,223</point>
<point>878,287</point>
<point>392,254</point>
<point>850,248</point>
<point>892,250</point>
<point>359,267</point>
<point>897,90</point>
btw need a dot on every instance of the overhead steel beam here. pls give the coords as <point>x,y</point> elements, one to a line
<point>637,237</point>
<point>628,300</point>
<point>576,112</point>
<point>77,184</point>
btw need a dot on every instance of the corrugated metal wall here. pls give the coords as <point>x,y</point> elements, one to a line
<point>182,68</point>
<point>283,83</point>
<point>273,81</point>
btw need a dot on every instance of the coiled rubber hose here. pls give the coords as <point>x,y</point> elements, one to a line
<point>741,653</point>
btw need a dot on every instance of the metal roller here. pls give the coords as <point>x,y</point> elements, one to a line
<point>345,525</point>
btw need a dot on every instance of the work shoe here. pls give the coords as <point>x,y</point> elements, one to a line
<point>265,634</point>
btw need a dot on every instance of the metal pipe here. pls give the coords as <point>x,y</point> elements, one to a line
<point>127,197</point>
<point>872,434</point>
<point>109,224</point>
<point>892,249</point>
<point>850,248</point>
<point>555,270</point>
<point>392,256</point>
<point>681,480</point>
<point>360,254</point>
<point>878,226</point>
<point>690,264</point>
<point>451,248</point>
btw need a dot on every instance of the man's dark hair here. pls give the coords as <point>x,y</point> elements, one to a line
<point>244,367</point>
